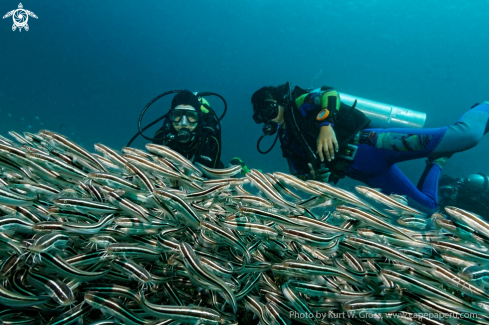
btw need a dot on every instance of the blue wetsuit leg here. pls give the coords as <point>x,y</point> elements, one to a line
<point>394,181</point>
<point>380,149</point>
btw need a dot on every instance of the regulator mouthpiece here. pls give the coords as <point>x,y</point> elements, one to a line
<point>184,136</point>
<point>270,128</point>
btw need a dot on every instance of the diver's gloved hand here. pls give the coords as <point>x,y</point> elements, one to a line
<point>321,175</point>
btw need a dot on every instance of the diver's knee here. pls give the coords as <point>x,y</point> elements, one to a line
<point>464,135</point>
<point>472,138</point>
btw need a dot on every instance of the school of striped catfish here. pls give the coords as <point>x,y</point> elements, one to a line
<point>146,237</point>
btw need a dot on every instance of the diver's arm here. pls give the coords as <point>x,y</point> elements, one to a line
<point>216,152</point>
<point>159,137</point>
<point>328,102</point>
<point>211,155</point>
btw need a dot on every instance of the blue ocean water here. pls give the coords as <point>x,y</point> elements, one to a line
<point>87,68</point>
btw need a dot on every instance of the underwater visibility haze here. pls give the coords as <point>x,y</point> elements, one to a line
<point>84,221</point>
<point>86,69</point>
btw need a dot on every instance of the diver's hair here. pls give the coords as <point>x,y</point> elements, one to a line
<point>278,93</point>
<point>282,92</point>
<point>270,94</point>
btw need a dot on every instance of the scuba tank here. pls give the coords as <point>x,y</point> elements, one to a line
<point>383,115</point>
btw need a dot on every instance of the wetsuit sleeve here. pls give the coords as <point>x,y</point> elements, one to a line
<point>330,101</point>
<point>159,136</point>
<point>326,102</point>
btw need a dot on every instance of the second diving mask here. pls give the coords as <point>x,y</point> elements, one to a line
<point>184,117</point>
<point>177,114</point>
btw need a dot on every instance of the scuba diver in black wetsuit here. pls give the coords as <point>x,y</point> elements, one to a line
<point>470,193</point>
<point>293,114</point>
<point>319,134</point>
<point>191,127</point>
<point>188,130</point>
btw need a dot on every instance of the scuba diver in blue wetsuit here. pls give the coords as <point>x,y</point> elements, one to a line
<point>322,138</point>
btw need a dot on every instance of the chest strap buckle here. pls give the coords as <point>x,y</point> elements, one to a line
<point>349,152</point>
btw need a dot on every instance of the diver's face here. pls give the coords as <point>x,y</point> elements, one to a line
<point>280,116</point>
<point>184,117</point>
<point>448,193</point>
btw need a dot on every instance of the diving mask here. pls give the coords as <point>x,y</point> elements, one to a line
<point>265,112</point>
<point>177,114</point>
<point>448,192</point>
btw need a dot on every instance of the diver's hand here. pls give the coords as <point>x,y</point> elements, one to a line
<point>327,143</point>
<point>320,175</point>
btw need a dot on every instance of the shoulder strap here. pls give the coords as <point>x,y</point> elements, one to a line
<point>290,118</point>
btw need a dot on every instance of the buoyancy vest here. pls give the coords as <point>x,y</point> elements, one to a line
<point>305,130</point>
